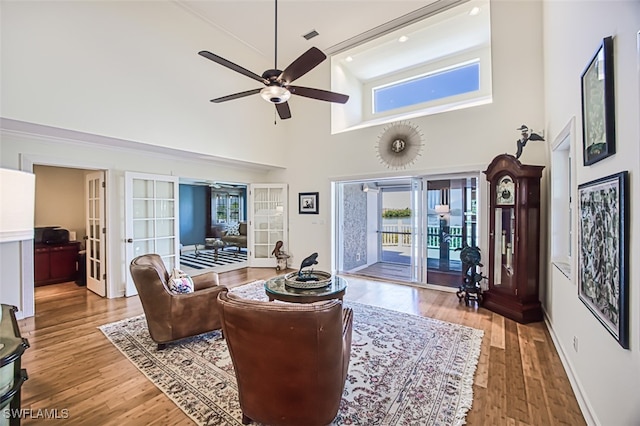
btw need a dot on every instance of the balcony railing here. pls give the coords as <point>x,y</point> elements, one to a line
<point>399,235</point>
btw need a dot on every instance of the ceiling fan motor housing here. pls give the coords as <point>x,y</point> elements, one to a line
<point>275,92</point>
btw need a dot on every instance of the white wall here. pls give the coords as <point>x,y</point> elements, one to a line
<point>131,70</point>
<point>607,375</point>
<point>60,199</point>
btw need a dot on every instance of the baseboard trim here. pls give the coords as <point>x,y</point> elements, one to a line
<point>583,402</point>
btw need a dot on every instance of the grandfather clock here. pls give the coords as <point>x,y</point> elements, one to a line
<point>514,239</point>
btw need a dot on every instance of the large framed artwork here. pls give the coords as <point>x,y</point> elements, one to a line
<point>598,105</point>
<point>603,261</point>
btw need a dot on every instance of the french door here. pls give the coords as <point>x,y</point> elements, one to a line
<point>268,222</point>
<point>95,231</point>
<point>151,215</point>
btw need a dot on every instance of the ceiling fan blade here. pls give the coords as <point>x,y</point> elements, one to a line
<point>237,68</point>
<point>305,63</point>
<point>235,96</point>
<point>283,110</point>
<point>322,95</point>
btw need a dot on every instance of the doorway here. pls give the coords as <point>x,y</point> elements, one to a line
<point>209,209</point>
<point>407,230</point>
<point>69,221</point>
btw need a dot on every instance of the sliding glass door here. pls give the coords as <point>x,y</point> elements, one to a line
<point>409,229</point>
<point>396,230</point>
<point>451,206</point>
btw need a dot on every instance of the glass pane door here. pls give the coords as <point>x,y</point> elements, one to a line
<point>151,219</point>
<point>418,269</point>
<point>95,240</point>
<point>268,223</point>
<point>451,221</point>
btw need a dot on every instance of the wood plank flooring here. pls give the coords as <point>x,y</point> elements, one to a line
<point>72,366</point>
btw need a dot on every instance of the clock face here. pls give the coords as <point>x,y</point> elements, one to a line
<point>505,191</point>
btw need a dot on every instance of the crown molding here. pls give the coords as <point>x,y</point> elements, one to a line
<point>393,25</point>
<point>44,132</point>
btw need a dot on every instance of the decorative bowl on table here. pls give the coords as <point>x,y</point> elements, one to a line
<point>308,280</point>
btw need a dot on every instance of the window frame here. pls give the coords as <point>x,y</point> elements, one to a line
<point>563,195</point>
<point>450,103</point>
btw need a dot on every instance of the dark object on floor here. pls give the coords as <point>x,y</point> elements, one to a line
<point>13,376</point>
<point>307,348</point>
<point>172,316</point>
<point>55,263</point>
<point>470,289</point>
<point>81,278</point>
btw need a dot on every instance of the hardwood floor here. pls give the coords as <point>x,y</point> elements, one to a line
<point>72,366</point>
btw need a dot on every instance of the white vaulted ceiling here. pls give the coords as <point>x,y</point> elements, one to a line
<point>252,22</point>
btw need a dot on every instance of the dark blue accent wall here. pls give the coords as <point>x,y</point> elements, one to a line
<point>193,210</point>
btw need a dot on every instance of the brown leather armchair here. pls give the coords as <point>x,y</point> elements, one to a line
<point>173,316</point>
<point>290,360</point>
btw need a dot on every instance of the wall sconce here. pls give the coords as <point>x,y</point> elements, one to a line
<point>442,209</point>
<point>370,187</point>
<point>17,205</point>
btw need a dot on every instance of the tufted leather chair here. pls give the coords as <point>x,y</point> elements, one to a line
<point>173,316</point>
<point>290,360</point>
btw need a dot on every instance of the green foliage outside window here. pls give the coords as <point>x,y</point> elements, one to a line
<point>396,213</point>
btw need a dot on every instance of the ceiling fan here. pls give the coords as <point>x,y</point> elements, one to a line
<point>278,88</point>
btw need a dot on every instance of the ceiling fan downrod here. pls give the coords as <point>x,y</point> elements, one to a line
<point>275,59</point>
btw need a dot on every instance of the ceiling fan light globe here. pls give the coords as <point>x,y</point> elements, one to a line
<point>275,94</point>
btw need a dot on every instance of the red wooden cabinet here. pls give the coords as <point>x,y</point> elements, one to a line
<point>56,263</point>
<point>514,239</point>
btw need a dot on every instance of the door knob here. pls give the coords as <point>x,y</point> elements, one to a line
<point>129,240</point>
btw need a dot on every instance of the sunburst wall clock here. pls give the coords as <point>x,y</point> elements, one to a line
<point>399,145</point>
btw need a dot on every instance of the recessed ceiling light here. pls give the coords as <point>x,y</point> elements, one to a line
<point>348,59</point>
<point>474,11</point>
<point>402,39</point>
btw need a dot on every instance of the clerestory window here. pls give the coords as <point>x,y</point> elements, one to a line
<point>437,63</point>
<point>439,84</point>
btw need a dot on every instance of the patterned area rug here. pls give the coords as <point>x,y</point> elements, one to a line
<point>207,258</point>
<point>404,369</point>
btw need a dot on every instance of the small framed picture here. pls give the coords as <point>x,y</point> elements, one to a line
<point>308,203</point>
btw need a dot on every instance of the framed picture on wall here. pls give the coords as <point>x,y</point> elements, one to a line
<point>308,203</point>
<point>598,105</point>
<point>603,252</point>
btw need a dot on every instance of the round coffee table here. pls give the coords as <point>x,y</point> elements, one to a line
<point>277,290</point>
